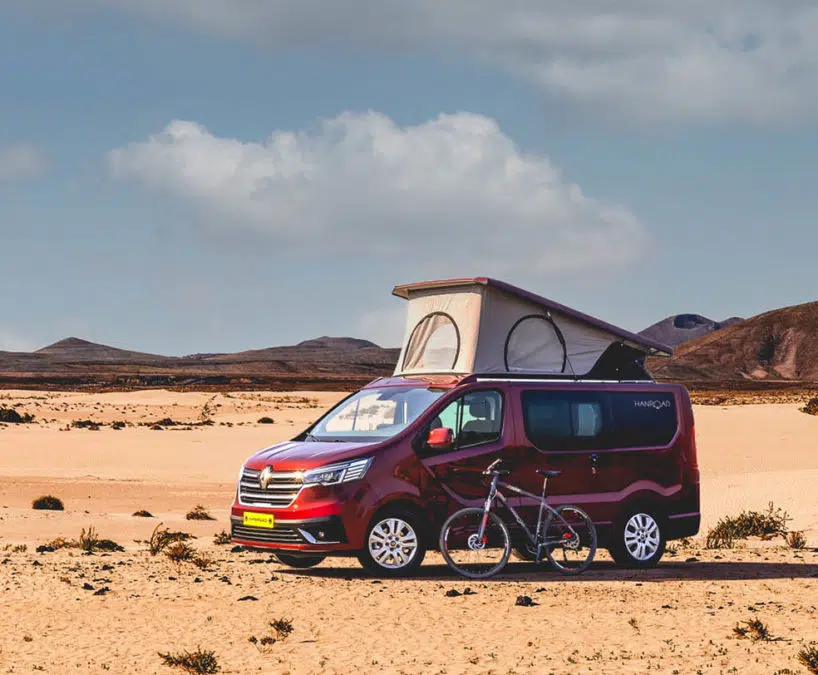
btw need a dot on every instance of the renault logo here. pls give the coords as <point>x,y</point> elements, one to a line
<point>265,477</point>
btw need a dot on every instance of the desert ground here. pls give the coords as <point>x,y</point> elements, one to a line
<point>66,611</point>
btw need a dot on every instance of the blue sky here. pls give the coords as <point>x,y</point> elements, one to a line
<point>187,176</point>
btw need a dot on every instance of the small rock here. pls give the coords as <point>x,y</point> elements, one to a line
<point>453,593</point>
<point>45,549</point>
<point>226,580</point>
<point>236,549</point>
<point>469,591</point>
<point>171,578</point>
<point>692,560</point>
<point>87,587</point>
<point>197,580</point>
<point>37,563</point>
<point>102,591</point>
<point>524,601</point>
<point>248,597</point>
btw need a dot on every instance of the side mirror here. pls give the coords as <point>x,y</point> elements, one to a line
<point>441,439</point>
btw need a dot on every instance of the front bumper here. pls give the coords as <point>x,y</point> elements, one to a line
<point>319,535</point>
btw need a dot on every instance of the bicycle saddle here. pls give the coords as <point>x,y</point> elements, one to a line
<point>548,473</point>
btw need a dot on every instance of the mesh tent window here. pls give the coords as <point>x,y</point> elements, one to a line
<point>434,344</point>
<point>535,343</point>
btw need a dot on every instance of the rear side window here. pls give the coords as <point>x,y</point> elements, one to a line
<point>643,419</point>
<point>558,420</point>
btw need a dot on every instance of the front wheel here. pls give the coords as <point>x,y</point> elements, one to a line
<point>469,554</point>
<point>570,540</point>
<point>394,544</point>
<point>300,562</point>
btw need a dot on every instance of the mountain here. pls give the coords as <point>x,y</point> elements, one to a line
<point>74,350</point>
<point>778,345</point>
<point>681,328</point>
<point>321,363</point>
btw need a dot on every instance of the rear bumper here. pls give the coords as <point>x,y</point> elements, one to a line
<point>681,525</point>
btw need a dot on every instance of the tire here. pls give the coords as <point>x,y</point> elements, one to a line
<point>300,562</point>
<point>572,525</point>
<point>394,544</point>
<point>639,539</point>
<point>468,557</point>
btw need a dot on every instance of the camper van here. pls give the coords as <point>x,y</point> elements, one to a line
<point>507,375</point>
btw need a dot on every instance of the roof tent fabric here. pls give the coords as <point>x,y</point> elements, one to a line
<point>485,326</point>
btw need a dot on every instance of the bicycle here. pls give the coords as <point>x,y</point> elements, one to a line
<point>567,536</point>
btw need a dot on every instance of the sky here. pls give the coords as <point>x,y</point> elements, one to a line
<point>182,176</point>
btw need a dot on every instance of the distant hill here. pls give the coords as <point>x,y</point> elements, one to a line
<point>778,345</point>
<point>74,349</point>
<point>321,363</point>
<point>681,328</point>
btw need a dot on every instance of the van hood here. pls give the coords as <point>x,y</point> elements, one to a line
<point>302,455</point>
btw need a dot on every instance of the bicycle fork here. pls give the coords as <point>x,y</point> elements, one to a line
<point>481,532</point>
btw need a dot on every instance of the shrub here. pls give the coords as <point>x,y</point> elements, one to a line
<point>162,537</point>
<point>11,416</point>
<point>766,525</point>
<point>266,420</point>
<point>201,661</point>
<point>85,424</point>
<point>181,552</point>
<point>754,629</point>
<point>199,513</point>
<point>282,628</point>
<point>811,408</point>
<point>796,540</point>
<point>202,561</point>
<point>808,657</point>
<point>142,514</point>
<point>89,541</point>
<point>222,538</point>
<point>47,503</point>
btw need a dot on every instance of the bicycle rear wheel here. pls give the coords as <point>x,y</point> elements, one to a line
<point>570,540</point>
<point>469,555</point>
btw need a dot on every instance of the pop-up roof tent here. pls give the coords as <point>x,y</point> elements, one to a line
<point>484,326</point>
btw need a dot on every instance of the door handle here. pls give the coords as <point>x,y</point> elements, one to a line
<point>594,459</point>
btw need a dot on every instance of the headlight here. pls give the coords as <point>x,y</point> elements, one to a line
<point>337,473</point>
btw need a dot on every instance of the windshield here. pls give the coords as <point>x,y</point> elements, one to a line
<point>374,414</point>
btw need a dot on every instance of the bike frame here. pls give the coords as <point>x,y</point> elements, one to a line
<point>495,494</point>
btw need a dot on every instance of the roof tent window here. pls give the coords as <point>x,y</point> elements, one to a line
<point>434,344</point>
<point>534,343</point>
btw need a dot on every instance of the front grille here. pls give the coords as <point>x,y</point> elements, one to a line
<point>278,535</point>
<point>280,493</point>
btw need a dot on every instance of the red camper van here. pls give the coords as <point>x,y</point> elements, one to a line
<point>514,376</point>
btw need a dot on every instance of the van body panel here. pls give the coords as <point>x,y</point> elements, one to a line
<point>606,481</point>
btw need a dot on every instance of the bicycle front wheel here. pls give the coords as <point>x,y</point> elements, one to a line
<point>466,552</point>
<point>570,540</point>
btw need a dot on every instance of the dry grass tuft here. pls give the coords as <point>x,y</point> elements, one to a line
<point>796,540</point>
<point>222,538</point>
<point>808,657</point>
<point>766,525</point>
<point>89,541</point>
<point>282,628</point>
<point>811,408</point>
<point>162,537</point>
<point>180,552</point>
<point>47,503</point>
<point>200,661</point>
<point>754,629</point>
<point>199,513</point>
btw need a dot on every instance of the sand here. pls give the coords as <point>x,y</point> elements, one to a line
<point>677,618</point>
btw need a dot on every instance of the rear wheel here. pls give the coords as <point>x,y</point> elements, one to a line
<point>570,540</point>
<point>466,552</point>
<point>394,545</point>
<point>639,540</point>
<point>300,561</point>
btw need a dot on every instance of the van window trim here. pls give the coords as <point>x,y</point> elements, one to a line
<point>420,440</point>
<point>631,448</point>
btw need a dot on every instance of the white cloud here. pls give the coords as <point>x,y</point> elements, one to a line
<point>452,193</point>
<point>22,161</point>
<point>750,60</point>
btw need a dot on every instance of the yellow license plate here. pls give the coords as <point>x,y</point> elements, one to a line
<point>266,520</point>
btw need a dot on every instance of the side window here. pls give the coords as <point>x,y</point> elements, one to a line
<point>559,420</point>
<point>475,418</point>
<point>643,419</point>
